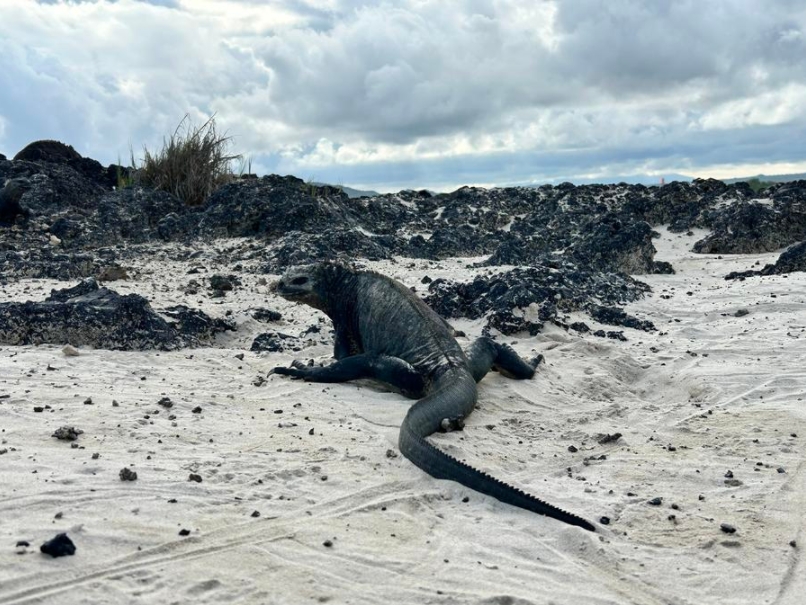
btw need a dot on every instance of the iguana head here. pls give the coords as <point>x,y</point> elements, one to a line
<point>314,285</point>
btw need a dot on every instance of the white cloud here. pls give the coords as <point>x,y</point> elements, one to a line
<point>771,107</point>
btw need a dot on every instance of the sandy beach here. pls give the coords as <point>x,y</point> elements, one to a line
<point>303,496</point>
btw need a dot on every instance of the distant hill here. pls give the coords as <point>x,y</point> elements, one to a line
<point>770,178</point>
<point>632,179</point>
<point>350,191</point>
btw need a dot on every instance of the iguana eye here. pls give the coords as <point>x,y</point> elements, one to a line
<point>298,281</point>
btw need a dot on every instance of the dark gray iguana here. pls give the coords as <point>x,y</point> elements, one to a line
<point>384,331</point>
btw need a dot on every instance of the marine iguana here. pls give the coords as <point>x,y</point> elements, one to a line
<point>384,331</point>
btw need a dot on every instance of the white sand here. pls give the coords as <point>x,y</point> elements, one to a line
<point>725,392</point>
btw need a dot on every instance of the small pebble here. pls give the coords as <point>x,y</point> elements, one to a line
<point>197,409</point>
<point>327,543</point>
<point>727,528</point>
<point>126,474</point>
<point>195,477</point>
<point>604,520</point>
<point>67,433</point>
<point>656,501</point>
<point>88,401</point>
<point>184,532</point>
<point>573,449</point>
<point>256,514</point>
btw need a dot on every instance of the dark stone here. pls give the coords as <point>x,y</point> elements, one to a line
<point>59,546</point>
<point>126,474</point>
<point>10,201</point>
<point>265,315</point>
<point>655,501</point>
<point>194,477</point>
<point>275,342</point>
<point>727,528</point>
<point>196,325</point>
<point>67,433</point>
<point>616,317</point>
<point>608,438</point>
<point>222,282</point>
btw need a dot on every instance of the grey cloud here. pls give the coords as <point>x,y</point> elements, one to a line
<point>418,88</point>
<point>398,75</point>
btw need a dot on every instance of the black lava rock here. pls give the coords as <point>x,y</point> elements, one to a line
<point>792,259</point>
<point>10,200</point>
<point>127,474</point>
<point>67,433</point>
<point>265,315</point>
<point>59,546</point>
<point>90,315</point>
<point>275,342</point>
<point>758,226</point>
<point>548,290</point>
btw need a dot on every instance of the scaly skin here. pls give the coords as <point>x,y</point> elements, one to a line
<point>384,331</point>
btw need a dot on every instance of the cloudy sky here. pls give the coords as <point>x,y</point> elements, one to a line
<point>419,93</point>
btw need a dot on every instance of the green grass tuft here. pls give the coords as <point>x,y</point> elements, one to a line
<point>192,163</point>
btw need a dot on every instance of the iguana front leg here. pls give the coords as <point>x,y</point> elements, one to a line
<point>344,345</point>
<point>391,370</point>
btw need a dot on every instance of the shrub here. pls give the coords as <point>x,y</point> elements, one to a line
<point>192,163</point>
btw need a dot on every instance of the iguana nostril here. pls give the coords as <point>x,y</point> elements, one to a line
<point>298,281</point>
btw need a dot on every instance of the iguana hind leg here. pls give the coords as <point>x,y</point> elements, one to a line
<point>391,370</point>
<point>486,354</point>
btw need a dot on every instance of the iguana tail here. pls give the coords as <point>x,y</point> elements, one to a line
<point>454,396</point>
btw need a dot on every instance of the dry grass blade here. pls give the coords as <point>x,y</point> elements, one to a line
<point>192,163</point>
